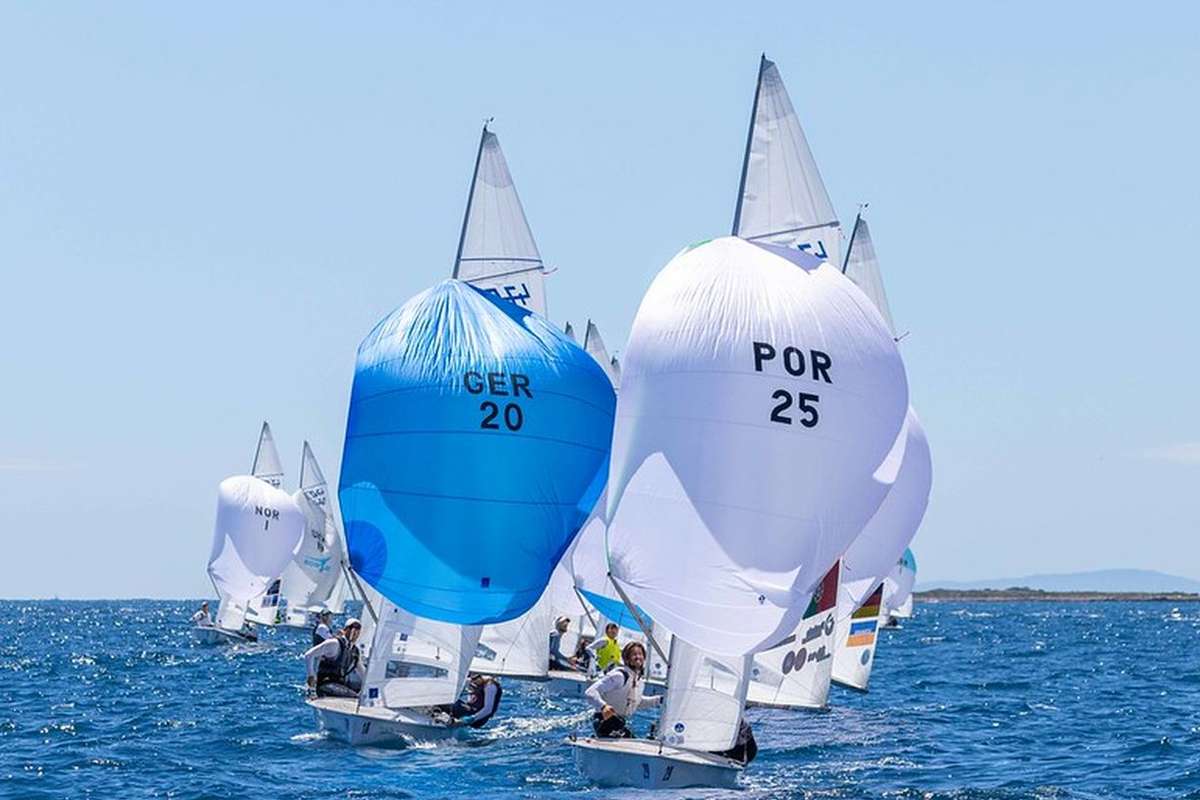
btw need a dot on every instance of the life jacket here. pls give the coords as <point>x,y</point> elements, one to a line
<point>336,669</point>
<point>476,698</point>
<point>607,654</point>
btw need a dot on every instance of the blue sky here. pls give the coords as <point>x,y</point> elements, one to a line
<point>203,208</point>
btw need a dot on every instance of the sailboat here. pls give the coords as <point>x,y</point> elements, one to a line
<point>258,530</point>
<point>862,608</point>
<point>759,393</point>
<point>268,608</point>
<point>783,200</point>
<point>898,586</point>
<point>316,578</point>
<point>476,446</point>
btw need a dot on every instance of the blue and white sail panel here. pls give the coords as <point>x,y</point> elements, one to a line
<point>416,662</point>
<point>747,365</point>
<point>862,267</point>
<point>267,466</point>
<point>783,199</point>
<point>476,447</point>
<point>497,252</point>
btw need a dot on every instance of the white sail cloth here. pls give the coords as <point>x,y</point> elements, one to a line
<point>595,348</point>
<point>783,199</point>
<point>497,252</point>
<point>874,552</point>
<point>257,532</point>
<point>862,267</point>
<point>760,393</point>
<point>705,695</point>
<point>898,587</point>
<point>519,647</point>
<point>416,661</point>
<point>267,466</point>
<point>317,572</point>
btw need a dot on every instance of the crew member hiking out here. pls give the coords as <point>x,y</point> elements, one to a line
<point>333,666</point>
<point>618,694</point>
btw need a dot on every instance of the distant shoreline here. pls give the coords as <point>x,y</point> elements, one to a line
<point>1022,594</point>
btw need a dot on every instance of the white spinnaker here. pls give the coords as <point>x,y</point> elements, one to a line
<point>711,531</point>
<point>267,466</point>
<point>257,531</point>
<point>416,661</point>
<point>782,198</point>
<point>519,647</point>
<point>595,348</point>
<point>705,696</point>
<point>875,551</point>
<point>862,267</point>
<point>496,251</point>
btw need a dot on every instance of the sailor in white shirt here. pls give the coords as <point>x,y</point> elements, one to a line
<point>202,617</point>
<point>322,631</point>
<point>618,694</point>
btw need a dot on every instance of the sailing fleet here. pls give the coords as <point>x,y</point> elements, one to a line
<point>738,493</point>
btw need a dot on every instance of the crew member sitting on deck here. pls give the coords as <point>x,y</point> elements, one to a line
<point>202,617</point>
<point>618,694</point>
<point>333,666</point>
<point>482,702</point>
<point>744,747</point>
<point>323,631</point>
<point>557,659</point>
<point>605,651</point>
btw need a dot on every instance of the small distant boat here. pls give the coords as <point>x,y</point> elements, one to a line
<point>257,531</point>
<point>268,608</point>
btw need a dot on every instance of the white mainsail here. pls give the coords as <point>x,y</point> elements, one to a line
<point>745,363</point>
<point>862,267</point>
<point>496,250</point>
<point>594,346</point>
<point>267,466</point>
<point>416,662</point>
<point>782,199</point>
<point>257,531</point>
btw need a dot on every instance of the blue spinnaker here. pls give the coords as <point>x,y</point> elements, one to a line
<point>476,446</point>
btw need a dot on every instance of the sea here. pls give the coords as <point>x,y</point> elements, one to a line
<point>968,701</point>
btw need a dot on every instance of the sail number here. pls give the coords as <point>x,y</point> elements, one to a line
<point>796,363</point>
<point>505,384</point>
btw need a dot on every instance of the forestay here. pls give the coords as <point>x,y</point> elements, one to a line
<point>782,199</point>
<point>257,531</point>
<point>416,662</point>
<point>761,391</point>
<point>496,251</point>
<point>476,446</point>
<point>267,466</point>
<point>705,695</point>
<point>875,551</point>
<point>796,672</point>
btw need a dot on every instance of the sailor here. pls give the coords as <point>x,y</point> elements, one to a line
<point>482,702</point>
<point>202,617</point>
<point>322,631</point>
<point>605,651</point>
<point>744,747</point>
<point>333,666</point>
<point>618,694</point>
<point>557,659</point>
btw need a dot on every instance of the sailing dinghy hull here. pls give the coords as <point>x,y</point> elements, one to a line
<point>205,634</point>
<point>344,719</point>
<point>649,764</point>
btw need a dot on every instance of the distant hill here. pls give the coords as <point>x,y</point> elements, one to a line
<point>1105,580</point>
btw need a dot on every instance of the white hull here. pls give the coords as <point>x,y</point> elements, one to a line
<point>573,684</point>
<point>204,634</point>
<point>648,764</point>
<point>357,725</point>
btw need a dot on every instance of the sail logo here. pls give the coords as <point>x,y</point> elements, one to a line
<point>813,249</point>
<point>514,294</point>
<point>792,359</point>
<point>268,513</point>
<point>319,564</point>
<point>505,384</point>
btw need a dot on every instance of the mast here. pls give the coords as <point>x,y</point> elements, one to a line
<point>641,623</point>
<point>853,233</point>
<point>462,236</point>
<point>737,213</point>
